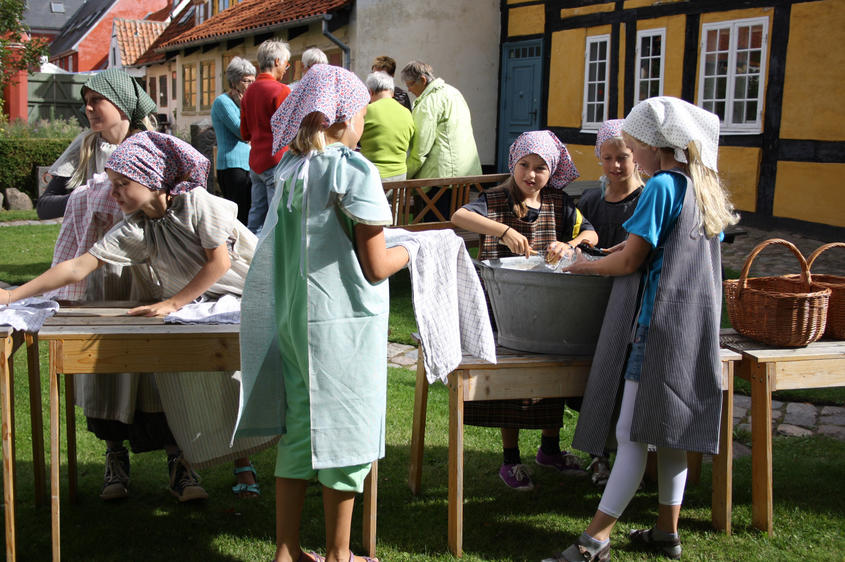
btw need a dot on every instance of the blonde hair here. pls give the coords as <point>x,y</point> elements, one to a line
<point>715,210</point>
<point>89,147</point>
<point>313,135</point>
<point>310,136</point>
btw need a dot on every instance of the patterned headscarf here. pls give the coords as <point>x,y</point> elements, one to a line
<point>548,147</point>
<point>160,162</point>
<point>667,122</point>
<point>124,92</point>
<point>333,91</point>
<point>610,129</point>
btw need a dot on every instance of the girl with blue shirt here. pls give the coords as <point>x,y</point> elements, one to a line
<point>658,352</point>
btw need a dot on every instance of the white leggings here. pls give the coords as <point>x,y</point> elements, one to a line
<point>629,467</point>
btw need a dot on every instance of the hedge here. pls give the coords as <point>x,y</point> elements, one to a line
<point>19,157</point>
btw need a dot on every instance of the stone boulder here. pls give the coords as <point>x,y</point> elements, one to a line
<point>16,200</point>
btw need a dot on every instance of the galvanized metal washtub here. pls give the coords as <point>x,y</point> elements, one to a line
<point>543,311</point>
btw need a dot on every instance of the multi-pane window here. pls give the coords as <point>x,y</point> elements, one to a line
<point>596,69</point>
<point>206,84</point>
<point>189,87</point>
<point>732,70</point>
<point>211,8</point>
<point>651,49</point>
<point>162,90</point>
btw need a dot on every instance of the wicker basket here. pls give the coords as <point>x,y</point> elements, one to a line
<point>784,311</point>
<point>835,326</point>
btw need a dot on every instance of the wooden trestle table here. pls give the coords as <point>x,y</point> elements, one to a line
<point>95,339</point>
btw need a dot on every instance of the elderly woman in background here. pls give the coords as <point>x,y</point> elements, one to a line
<point>388,129</point>
<point>443,144</point>
<point>387,64</point>
<point>232,151</point>
<point>313,56</point>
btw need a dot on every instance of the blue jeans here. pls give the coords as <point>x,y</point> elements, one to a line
<point>263,187</point>
<point>635,360</point>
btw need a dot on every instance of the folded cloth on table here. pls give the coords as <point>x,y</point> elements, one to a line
<point>28,314</point>
<point>225,310</point>
<point>449,304</point>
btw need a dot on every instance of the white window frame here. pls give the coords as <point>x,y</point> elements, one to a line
<point>750,126</point>
<point>594,125</point>
<point>643,34</point>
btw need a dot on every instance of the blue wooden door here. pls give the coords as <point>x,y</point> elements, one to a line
<point>520,94</point>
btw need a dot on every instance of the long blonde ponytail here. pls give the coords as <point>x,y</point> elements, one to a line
<point>89,147</point>
<point>715,208</point>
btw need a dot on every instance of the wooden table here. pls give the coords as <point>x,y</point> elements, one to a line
<point>12,341</point>
<point>528,375</point>
<point>819,365</point>
<point>105,340</point>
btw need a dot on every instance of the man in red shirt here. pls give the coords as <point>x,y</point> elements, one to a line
<point>259,102</point>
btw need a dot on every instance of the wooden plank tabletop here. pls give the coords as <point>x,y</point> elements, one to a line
<point>762,353</point>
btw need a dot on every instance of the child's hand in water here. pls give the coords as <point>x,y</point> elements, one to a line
<point>162,308</point>
<point>556,251</point>
<point>578,265</point>
<point>517,243</point>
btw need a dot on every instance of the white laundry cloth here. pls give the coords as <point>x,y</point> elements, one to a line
<point>226,310</point>
<point>449,303</point>
<point>27,314</point>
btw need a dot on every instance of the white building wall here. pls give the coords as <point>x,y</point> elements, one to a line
<point>458,38</point>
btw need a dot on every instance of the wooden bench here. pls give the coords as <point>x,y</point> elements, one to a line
<point>105,340</point>
<point>530,375</point>
<point>818,365</point>
<point>12,340</point>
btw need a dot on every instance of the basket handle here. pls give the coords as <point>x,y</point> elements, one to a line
<point>821,249</point>
<point>805,269</point>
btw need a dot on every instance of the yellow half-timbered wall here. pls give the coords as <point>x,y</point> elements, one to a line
<point>793,164</point>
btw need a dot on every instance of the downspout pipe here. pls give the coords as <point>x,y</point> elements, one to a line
<point>343,46</point>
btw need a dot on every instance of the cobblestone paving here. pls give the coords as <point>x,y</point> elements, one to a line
<point>777,260</point>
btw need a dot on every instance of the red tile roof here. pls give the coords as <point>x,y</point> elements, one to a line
<point>253,16</point>
<point>181,22</point>
<point>135,36</point>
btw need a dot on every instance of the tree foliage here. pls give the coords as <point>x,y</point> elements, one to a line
<point>17,51</point>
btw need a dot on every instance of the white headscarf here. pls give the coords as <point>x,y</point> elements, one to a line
<point>667,122</point>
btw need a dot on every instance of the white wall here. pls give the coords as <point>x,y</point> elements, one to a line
<point>458,38</point>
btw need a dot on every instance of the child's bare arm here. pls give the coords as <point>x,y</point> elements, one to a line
<point>472,221</point>
<point>64,273</point>
<point>217,264</point>
<point>621,262</point>
<point>377,260</point>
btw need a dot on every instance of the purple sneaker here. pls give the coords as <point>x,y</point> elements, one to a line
<point>564,462</point>
<point>516,477</point>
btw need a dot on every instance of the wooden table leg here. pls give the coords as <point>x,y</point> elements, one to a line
<point>70,429</point>
<point>8,432</point>
<point>761,446</point>
<point>36,419</point>
<point>55,460</point>
<point>456,464</point>
<point>693,468</point>
<point>721,507</point>
<point>370,511</point>
<point>418,426</point>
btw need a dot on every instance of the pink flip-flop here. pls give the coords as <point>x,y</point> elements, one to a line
<point>310,557</point>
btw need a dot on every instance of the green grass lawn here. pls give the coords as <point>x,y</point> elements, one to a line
<point>499,524</point>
